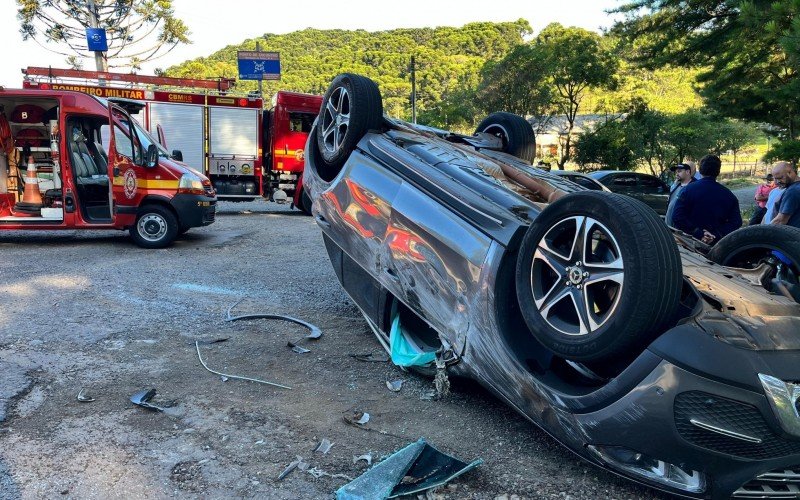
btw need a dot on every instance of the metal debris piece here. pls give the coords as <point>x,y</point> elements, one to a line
<point>367,457</point>
<point>214,341</point>
<point>297,348</point>
<point>298,463</point>
<point>142,398</point>
<point>313,331</point>
<point>440,381</point>
<point>416,468</point>
<point>371,357</point>
<point>395,385</point>
<point>318,473</point>
<point>223,378</point>
<point>83,398</point>
<point>356,418</point>
<point>324,446</point>
<point>200,357</point>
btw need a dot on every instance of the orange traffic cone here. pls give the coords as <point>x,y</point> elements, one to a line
<point>31,203</point>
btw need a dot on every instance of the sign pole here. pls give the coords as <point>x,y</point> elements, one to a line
<point>260,81</point>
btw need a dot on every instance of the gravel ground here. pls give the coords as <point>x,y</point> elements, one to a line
<point>89,311</point>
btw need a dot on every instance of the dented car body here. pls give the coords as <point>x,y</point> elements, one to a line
<point>431,228</point>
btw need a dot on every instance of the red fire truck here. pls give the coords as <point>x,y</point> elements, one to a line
<point>245,151</point>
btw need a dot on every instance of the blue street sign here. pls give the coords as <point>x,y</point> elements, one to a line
<point>96,39</point>
<point>254,65</point>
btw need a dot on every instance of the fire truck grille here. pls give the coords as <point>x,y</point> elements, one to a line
<point>728,426</point>
<point>779,483</point>
<point>209,216</point>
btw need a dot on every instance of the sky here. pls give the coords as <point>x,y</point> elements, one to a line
<point>214,26</point>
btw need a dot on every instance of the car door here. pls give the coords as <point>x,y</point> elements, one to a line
<point>654,192</point>
<point>125,162</point>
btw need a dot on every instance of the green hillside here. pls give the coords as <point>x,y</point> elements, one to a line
<point>447,59</point>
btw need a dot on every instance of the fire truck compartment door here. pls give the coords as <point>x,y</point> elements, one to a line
<point>233,131</point>
<point>183,127</point>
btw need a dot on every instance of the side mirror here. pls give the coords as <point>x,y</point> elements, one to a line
<point>177,154</point>
<point>151,159</point>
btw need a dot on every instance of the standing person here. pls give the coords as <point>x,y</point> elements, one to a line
<point>683,177</point>
<point>762,196</point>
<point>787,209</point>
<point>706,209</point>
<point>772,202</point>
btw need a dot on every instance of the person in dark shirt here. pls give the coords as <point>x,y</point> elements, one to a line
<point>787,210</point>
<point>706,209</point>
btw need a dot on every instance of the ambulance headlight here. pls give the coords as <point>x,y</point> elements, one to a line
<point>191,184</point>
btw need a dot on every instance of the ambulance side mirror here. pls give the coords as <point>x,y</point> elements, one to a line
<point>177,154</point>
<point>151,159</point>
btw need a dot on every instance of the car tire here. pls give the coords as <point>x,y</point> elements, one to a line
<point>746,247</point>
<point>515,132</point>
<point>351,107</point>
<point>305,203</point>
<point>156,227</point>
<point>608,303</point>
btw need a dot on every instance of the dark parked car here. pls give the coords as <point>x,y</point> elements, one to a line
<point>578,308</point>
<point>644,187</point>
<point>580,179</point>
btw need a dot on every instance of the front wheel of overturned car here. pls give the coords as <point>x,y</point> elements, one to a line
<point>155,227</point>
<point>515,132</point>
<point>350,108</point>
<point>598,277</point>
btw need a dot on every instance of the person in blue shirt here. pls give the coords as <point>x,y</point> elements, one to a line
<point>706,209</point>
<point>787,208</point>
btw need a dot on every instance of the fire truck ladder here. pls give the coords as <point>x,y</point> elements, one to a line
<point>219,84</point>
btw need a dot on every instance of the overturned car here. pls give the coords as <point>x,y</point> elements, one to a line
<point>621,338</point>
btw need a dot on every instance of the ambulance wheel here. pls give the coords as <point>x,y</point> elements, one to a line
<point>155,227</point>
<point>352,106</point>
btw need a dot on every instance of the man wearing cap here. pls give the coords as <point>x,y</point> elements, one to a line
<point>706,209</point>
<point>683,177</point>
<point>787,209</point>
<point>762,195</point>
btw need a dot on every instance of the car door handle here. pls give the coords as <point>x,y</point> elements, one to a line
<point>321,222</point>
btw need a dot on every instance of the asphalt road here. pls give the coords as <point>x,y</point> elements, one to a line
<point>91,312</point>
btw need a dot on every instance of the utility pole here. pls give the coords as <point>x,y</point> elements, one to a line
<point>99,59</point>
<point>413,91</point>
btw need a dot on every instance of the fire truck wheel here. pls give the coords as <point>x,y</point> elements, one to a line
<point>305,203</point>
<point>155,227</point>
<point>351,107</point>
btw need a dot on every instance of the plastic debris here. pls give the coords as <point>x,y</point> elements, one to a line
<point>367,457</point>
<point>214,341</point>
<point>371,357</point>
<point>142,398</point>
<point>417,467</point>
<point>297,464</point>
<point>199,356</point>
<point>356,418</point>
<point>395,385</point>
<point>83,398</point>
<point>324,446</point>
<point>297,348</point>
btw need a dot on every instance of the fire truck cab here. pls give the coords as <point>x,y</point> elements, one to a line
<point>286,129</point>
<point>69,160</point>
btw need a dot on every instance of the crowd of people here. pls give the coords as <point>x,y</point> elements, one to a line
<point>704,208</point>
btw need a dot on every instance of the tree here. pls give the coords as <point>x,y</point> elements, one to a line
<point>518,84</point>
<point>137,30</point>
<point>647,137</point>
<point>733,136</point>
<point>575,59</point>
<point>748,52</point>
<point>606,146</point>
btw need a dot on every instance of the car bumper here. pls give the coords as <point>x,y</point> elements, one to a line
<point>194,210</point>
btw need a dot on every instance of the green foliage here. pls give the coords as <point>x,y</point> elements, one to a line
<point>748,52</point>
<point>449,63</point>
<point>606,147</point>
<point>137,30</point>
<point>784,151</point>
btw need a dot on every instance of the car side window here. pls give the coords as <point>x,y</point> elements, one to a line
<point>583,181</point>
<point>624,180</point>
<point>651,185</point>
<point>123,143</point>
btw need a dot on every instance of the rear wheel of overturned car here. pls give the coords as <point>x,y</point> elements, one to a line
<point>749,247</point>
<point>598,277</point>
<point>515,132</point>
<point>351,107</point>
